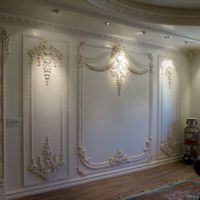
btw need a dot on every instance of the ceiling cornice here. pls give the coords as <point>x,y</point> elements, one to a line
<point>44,25</point>
<point>120,18</point>
<point>149,13</point>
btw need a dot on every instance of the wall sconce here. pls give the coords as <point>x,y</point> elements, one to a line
<point>47,56</point>
<point>168,69</point>
<point>119,64</point>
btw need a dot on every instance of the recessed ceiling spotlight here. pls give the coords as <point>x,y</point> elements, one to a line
<point>141,32</point>
<point>166,36</point>
<point>55,11</point>
<point>107,23</point>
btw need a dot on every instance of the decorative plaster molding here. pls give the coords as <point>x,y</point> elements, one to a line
<point>47,163</point>
<point>86,165</point>
<point>169,144</point>
<point>44,25</point>
<point>117,159</point>
<point>119,73</point>
<point>28,112</point>
<point>168,115</point>
<point>47,56</point>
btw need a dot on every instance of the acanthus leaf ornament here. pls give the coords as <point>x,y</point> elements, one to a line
<point>119,64</point>
<point>47,56</point>
<point>46,164</point>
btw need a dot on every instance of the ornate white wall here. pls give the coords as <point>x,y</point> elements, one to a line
<point>75,119</point>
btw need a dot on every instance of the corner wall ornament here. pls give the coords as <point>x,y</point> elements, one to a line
<point>47,163</point>
<point>119,64</point>
<point>47,56</point>
<point>168,69</point>
<point>169,143</point>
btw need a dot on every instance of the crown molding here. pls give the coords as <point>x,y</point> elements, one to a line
<point>121,17</point>
<point>45,25</point>
<point>149,13</point>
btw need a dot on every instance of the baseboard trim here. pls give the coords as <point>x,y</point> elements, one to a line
<point>81,180</point>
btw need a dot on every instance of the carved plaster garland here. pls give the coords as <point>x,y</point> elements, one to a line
<point>46,164</point>
<point>119,64</point>
<point>47,56</point>
<point>4,39</point>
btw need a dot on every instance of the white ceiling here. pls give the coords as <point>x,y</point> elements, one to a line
<point>91,15</point>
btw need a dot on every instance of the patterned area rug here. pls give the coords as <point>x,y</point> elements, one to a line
<point>183,190</point>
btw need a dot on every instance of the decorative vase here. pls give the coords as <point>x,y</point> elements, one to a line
<point>191,140</point>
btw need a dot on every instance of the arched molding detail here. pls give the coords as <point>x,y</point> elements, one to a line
<point>44,25</point>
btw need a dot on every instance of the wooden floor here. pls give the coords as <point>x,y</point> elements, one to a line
<point>122,186</point>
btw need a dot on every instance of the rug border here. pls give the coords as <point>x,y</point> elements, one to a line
<point>161,188</point>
